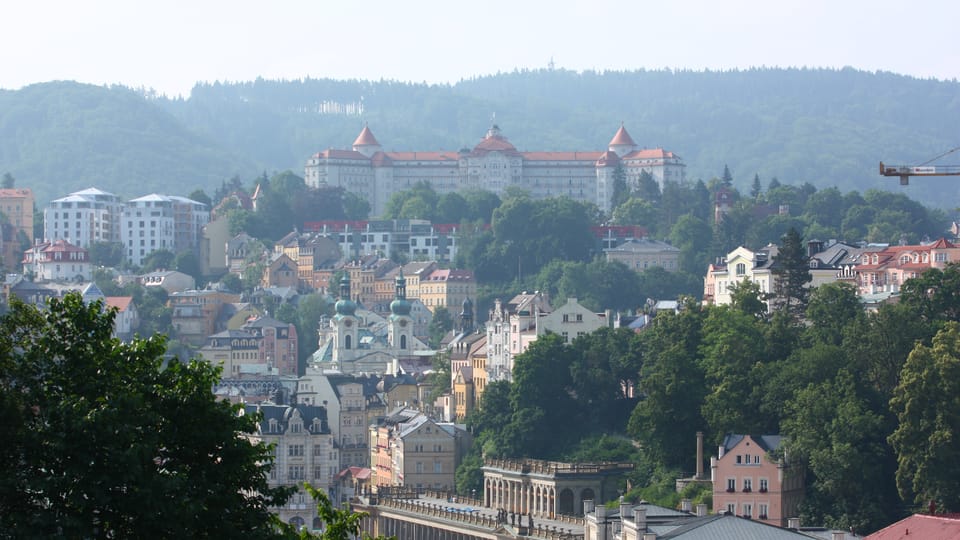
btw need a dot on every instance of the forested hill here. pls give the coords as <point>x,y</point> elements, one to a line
<point>827,127</point>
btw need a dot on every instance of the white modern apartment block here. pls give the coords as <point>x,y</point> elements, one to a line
<point>158,221</point>
<point>493,165</point>
<point>83,217</point>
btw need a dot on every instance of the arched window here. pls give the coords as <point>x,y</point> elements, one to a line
<point>346,342</point>
<point>403,342</point>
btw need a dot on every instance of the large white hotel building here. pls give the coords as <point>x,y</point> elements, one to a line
<point>492,165</point>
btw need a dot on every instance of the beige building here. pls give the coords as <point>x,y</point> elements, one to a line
<point>304,451</point>
<point>640,254</point>
<point>447,288</point>
<point>409,449</point>
<point>570,321</point>
<point>17,205</point>
<point>739,265</point>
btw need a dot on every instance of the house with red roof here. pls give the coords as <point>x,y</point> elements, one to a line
<point>57,261</point>
<point>494,164</point>
<point>886,270</point>
<point>927,527</point>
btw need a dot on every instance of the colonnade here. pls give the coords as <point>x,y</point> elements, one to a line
<point>520,497</point>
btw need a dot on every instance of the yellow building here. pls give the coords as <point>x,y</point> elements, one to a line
<point>17,205</point>
<point>447,288</point>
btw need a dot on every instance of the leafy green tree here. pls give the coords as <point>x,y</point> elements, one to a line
<point>355,207</point>
<point>791,271</point>
<point>232,283</point>
<point>672,387</point>
<point>832,307</point>
<point>480,205</point>
<point>161,259</point>
<point>602,365</point>
<point>691,235</point>
<point>927,405</point>
<point>8,181</point>
<point>187,262</point>
<point>636,211</point>
<point>338,523</point>
<point>102,441</point>
<point>935,294</point>
<point>620,192</point>
<point>729,358</point>
<point>201,196</point>
<point>540,398</point>
<point>450,208</point>
<point>441,323</point>
<point>108,254</point>
<point>647,188</point>
<point>841,439</point>
<point>747,297</point>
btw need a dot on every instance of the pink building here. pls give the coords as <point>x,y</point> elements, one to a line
<point>749,482</point>
<point>886,270</point>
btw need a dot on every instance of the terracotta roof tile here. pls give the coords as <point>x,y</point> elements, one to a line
<point>622,138</point>
<point>366,138</point>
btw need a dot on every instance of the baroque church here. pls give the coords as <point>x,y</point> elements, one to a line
<point>358,340</point>
<point>494,164</point>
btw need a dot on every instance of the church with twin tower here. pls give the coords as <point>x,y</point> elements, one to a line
<point>494,164</point>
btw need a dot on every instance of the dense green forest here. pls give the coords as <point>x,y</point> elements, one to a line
<point>825,127</point>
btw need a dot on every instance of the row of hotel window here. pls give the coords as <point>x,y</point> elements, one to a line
<point>746,510</point>
<point>297,472</point>
<point>747,485</point>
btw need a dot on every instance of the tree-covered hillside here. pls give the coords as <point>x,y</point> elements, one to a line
<point>826,127</point>
<point>61,137</point>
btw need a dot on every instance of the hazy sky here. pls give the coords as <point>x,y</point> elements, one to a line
<point>172,44</point>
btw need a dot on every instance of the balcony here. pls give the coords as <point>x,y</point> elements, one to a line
<point>747,490</point>
<point>731,490</point>
<point>763,490</point>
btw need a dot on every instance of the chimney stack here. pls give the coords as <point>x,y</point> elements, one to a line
<point>701,510</point>
<point>686,505</point>
<point>793,523</point>
<point>639,519</point>
<point>699,455</point>
<point>839,535</point>
<point>588,506</point>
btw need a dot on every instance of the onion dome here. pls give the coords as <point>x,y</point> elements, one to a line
<point>400,306</point>
<point>345,306</point>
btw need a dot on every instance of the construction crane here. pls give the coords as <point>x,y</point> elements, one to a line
<point>923,169</point>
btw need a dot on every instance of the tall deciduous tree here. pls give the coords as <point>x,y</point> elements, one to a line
<point>927,405</point>
<point>841,438</point>
<point>102,441</point>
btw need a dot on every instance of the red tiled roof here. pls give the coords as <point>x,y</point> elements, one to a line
<point>122,303</point>
<point>15,193</point>
<point>622,138</point>
<point>492,143</point>
<point>64,246</point>
<point>649,153</point>
<point>423,156</point>
<point>381,160</point>
<point>562,156</point>
<point>333,153</point>
<point>366,138</point>
<point>920,526</point>
<point>608,159</point>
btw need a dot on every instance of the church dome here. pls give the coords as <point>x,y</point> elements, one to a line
<point>345,306</point>
<point>400,307</point>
